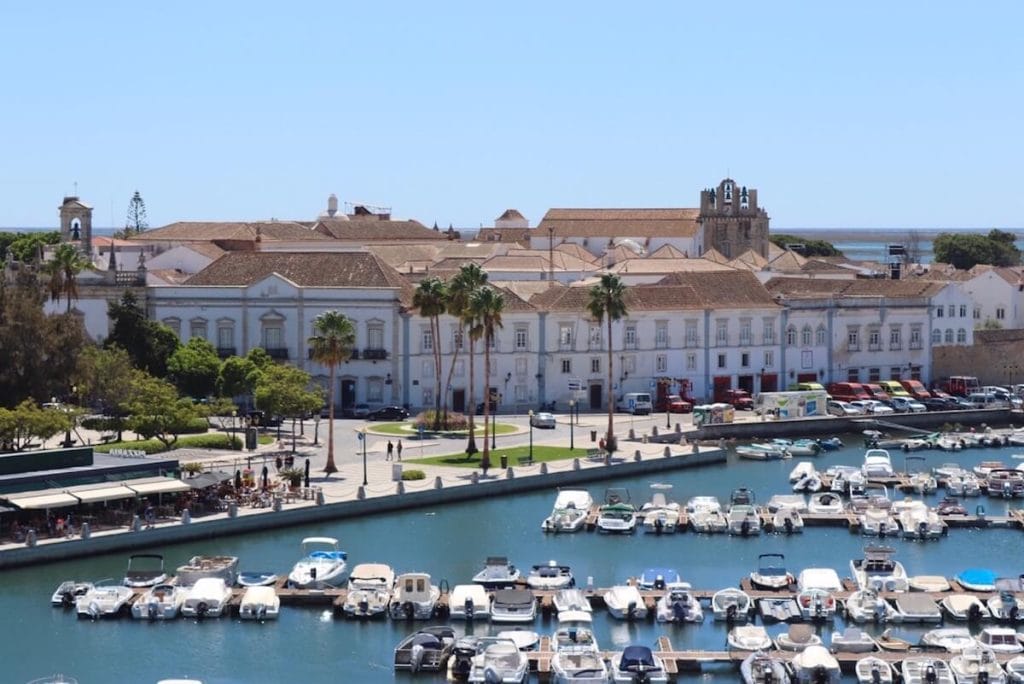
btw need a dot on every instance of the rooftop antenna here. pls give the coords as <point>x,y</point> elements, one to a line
<point>76,189</point>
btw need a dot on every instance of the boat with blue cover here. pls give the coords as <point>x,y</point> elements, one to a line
<point>977,579</point>
<point>323,564</point>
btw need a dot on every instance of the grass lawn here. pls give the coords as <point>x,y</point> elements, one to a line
<point>406,430</point>
<point>540,453</point>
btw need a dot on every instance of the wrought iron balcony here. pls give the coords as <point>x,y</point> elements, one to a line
<point>225,352</point>
<point>279,353</point>
<point>374,354</point>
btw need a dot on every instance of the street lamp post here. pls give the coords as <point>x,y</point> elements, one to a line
<point>530,414</point>
<point>494,423</point>
<point>668,418</point>
<point>572,444</point>
<point>362,438</point>
<point>577,412</point>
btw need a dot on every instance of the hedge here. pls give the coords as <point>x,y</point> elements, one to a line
<point>413,475</point>
<point>155,446</point>
<point>197,426</point>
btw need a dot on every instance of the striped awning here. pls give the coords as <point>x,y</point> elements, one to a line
<point>42,499</point>
<point>156,485</point>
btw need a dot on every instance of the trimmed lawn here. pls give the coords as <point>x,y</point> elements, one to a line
<point>540,453</point>
<point>406,430</point>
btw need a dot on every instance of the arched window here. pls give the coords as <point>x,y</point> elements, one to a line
<point>949,336</point>
<point>961,336</point>
<point>791,335</point>
<point>822,336</point>
<point>936,336</point>
<point>805,336</point>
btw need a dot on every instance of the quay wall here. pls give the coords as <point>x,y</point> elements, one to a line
<point>222,525</point>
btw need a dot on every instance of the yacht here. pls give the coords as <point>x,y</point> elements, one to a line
<point>679,605</point>
<point>322,564</point>
<point>625,602</point>
<point>68,592</point>
<point>145,570</point>
<point>825,503</point>
<point>198,567</point>
<point>867,606</point>
<point>816,604</point>
<point>797,638</point>
<point>550,576</point>
<point>638,663</point>
<point>369,590</point>
<point>749,638</point>
<point>1000,640</point>
<point>426,650</point>
<point>103,601</point>
<point>949,639</point>
<point>162,602</point>
<point>414,597</point>
<point>878,571</point>
<point>853,640</point>
<point>469,602</point>
<point>926,670</point>
<point>570,511</point>
<point>498,661</point>
<point>976,665</point>
<point>208,597</point>
<point>964,607</point>
<point>872,670</point>
<point>706,515</point>
<point>815,665</point>
<point>659,515</point>
<point>617,514</point>
<point>771,572</point>
<point>513,605</point>
<point>761,668</point>
<point>260,603</point>
<point>877,465</point>
<point>497,573</point>
<point>788,520</point>
<point>732,605</point>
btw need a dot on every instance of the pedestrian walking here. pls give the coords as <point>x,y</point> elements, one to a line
<point>399,450</point>
<point>391,451</point>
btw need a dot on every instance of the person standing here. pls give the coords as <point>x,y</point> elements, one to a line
<point>399,450</point>
<point>391,451</point>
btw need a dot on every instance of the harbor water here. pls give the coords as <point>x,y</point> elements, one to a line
<point>451,542</point>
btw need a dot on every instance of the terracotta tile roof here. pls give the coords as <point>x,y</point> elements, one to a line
<point>578,251</point>
<point>505,235</point>
<point>194,231</point>
<point>668,252</point>
<point>594,223</point>
<point>786,260</point>
<point>621,253</point>
<point>167,276</point>
<point>362,230</point>
<point>510,214</point>
<point>400,254</point>
<point>536,260</point>
<point>637,266</point>
<point>105,241</point>
<point>207,249</point>
<point>749,259</point>
<point>714,255</point>
<point>809,288</point>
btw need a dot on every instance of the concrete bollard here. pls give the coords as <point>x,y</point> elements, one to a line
<point>320,496</point>
<point>543,468</point>
<point>654,430</point>
<point>31,539</point>
<point>509,473</point>
<point>632,435</point>
<point>186,517</point>
<point>233,509</point>
<point>136,523</point>
<point>679,428</point>
<point>667,453</point>
<point>437,483</point>
<point>361,493</point>
<point>575,464</point>
<point>696,448</point>
<point>277,505</point>
<point>636,455</point>
<point>400,488</point>
<point>86,530</point>
<point>475,477</point>
<point>607,458</point>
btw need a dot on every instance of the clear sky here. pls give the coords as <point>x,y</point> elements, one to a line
<point>841,114</point>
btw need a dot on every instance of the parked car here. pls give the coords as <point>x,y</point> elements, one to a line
<point>261,419</point>
<point>872,406</point>
<point>961,403</point>
<point>361,411</point>
<point>389,413</point>
<point>842,408</point>
<point>908,405</point>
<point>739,398</point>
<point>940,404</point>
<point>543,420</point>
<point>676,404</point>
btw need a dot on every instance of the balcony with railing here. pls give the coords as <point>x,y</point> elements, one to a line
<point>278,353</point>
<point>375,354</point>
<point>225,352</point>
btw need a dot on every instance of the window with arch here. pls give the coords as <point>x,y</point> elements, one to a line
<point>821,336</point>
<point>805,336</point>
<point>949,336</point>
<point>961,336</point>
<point>791,335</point>
<point>936,336</point>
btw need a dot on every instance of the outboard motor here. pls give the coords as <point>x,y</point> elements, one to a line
<point>881,529</point>
<point>876,676</point>
<point>930,675</point>
<point>659,525</point>
<point>922,529</point>
<point>983,678</point>
<point>879,610</point>
<point>679,611</point>
<point>819,609</point>
<point>67,599</point>
<point>745,528</point>
<point>94,610</point>
<point>312,573</point>
<point>364,607</point>
<point>462,654</point>
<point>408,610</point>
<point>416,657</point>
<point>261,612</point>
<point>202,609</point>
<point>467,607</point>
<point>973,613</point>
<point>767,676</point>
<point>492,676</point>
<point>788,524</point>
<point>631,610</point>
<point>730,613</point>
<point>151,609</point>
<point>820,675</point>
<point>659,582</point>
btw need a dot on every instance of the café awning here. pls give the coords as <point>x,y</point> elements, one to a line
<point>156,485</point>
<point>211,479</point>
<point>98,493</point>
<point>41,499</point>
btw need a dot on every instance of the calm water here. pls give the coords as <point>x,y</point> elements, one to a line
<point>451,543</point>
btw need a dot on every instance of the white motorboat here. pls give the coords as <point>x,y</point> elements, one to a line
<point>1006,607</point>
<point>877,522</point>
<point>976,665</point>
<point>917,521</point>
<point>524,639</point>
<point>162,602</point>
<point>933,584</point>
<point>706,515</point>
<point>965,484</point>
<point>948,470</point>
<point>414,597</point>
<point>577,666</point>
<point>369,590</point>
<point>985,467</point>
<point>209,597</point>
<point>260,603</point>
<point>964,607</point>
<point>761,668</point>
<point>915,607</point>
<point>743,520</point>
<point>257,578</point>
<point>825,503</point>
<point>762,452</point>
<point>469,602</point>
<point>796,502</point>
<point>877,465</point>
<point>788,520</point>
<point>426,650</point>
<point>1000,640</point>
<point>797,638</point>
<point>638,664</point>
<point>1015,670</point>
<point>947,442</point>
<point>949,639</point>
<point>872,670</point>
<point>926,670</point>
<point>816,604</point>
<point>679,605</point>
<point>777,609</point>
<point>68,592</point>
<point>659,515</point>
<point>799,447</point>
<point>819,578</point>
<point>322,564</point>
<point>574,638</point>
<point>771,572</point>
<point>853,640</point>
<point>513,605</point>
<point>749,638</point>
<point>103,601</point>
<point>198,567</point>
<point>815,665</point>
<point>145,570</point>
<point>731,604</point>
<point>497,573</point>
<point>570,511</point>
<point>801,470</point>
<point>550,576</point>
<point>617,514</point>
<point>867,606</point>
<point>571,601</point>
<point>808,483</point>
<point>1006,483</point>
<point>624,602</point>
<point>658,578</point>
<point>499,661</point>
<point>878,571</point>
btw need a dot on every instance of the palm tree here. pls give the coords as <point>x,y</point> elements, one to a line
<point>607,302</point>
<point>429,298</point>
<point>332,344</point>
<point>65,265</point>
<point>486,305</point>
<point>469,278</point>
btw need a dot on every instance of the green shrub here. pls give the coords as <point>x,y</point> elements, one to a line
<point>196,426</point>
<point>456,421</point>
<point>154,446</point>
<point>413,475</point>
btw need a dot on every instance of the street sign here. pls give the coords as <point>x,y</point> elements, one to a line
<point>575,385</point>
<point>361,436</point>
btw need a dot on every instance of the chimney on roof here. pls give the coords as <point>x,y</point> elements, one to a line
<point>332,205</point>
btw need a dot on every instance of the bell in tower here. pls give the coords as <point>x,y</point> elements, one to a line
<point>76,223</point>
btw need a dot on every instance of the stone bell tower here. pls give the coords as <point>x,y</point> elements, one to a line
<point>731,221</point>
<point>76,224</point>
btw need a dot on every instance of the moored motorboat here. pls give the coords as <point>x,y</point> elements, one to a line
<point>801,470</point>
<point>771,572</point>
<point>103,601</point>
<point>513,605</point>
<point>1006,483</point>
<point>497,573</point>
<point>926,670</point>
<point>877,465</point>
<point>788,520</point>
<point>872,670</point>
<point>469,602</point>
<point>977,579</point>
<point>571,601</point>
<point>977,665</point>
<point>877,522</point>
<point>762,668</point>
<point>877,570</point>
<point>570,511</point>
<point>425,650</point>
<point>260,603</point>
<point>624,602</point>
<point>257,578</point>
<point>679,605</point>
<point>808,483</point>
<point>743,520</point>
<point>950,505</point>
<point>617,514</point>
<point>198,567</point>
<point>1000,640</point>
<point>917,521</point>
<point>797,638</point>
<point>1006,607</point>
<point>68,592</point>
<point>830,443</point>
<point>915,607</point>
<point>985,467</point>
<point>322,564</point>
<point>853,640</point>
<point>162,602</point>
<point>550,576</point>
<point>749,638</point>
<point>819,578</point>
<point>867,606</point>
<point>638,663</point>
<point>778,609</point>
<point>731,604</point>
<point>949,639</point>
<point>935,584</point>
<point>144,570</point>
<point>1015,670</point>
<point>207,598</point>
<point>827,503</point>
<point>659,515</point>
<point>578,664</point>
<point>498,661</point>
<point>816,604</point>
<point>414,597</point>
<point>524,639</point>
<point>705,513</point>
<point>762,452</point>
<point>369,590</point>
<point>796,502</point>
<point>815,665</point>
<point>799,447</point>
<point>964,607</point>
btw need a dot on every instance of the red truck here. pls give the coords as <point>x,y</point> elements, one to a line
<point>916,389</point>
<point>961,385</point>
<point>739,398</point>
<point>848,391</point>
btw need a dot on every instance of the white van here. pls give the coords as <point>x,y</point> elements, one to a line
<point>637,403</point>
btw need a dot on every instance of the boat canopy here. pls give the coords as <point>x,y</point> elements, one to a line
<point>637,658</point>
<point>977,576</point>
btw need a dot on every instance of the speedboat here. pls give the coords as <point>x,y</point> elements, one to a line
<point>948,470</point>
<point>571,601</point>
<point>103,601</point>
<point>777,609</point>
<point>551,576</point>
<point>638,664</point>
<point>749,638</point>
<point>657,578</point>
<point>259,603</point>
<point>570,511</point>
<point>918,521</point>
<point>257,578</point>
<point>797,638</point>
<point>1006,607</point>
<point>617,514</point>
<point>762,452</point>
<point>68,592</point>
<point>964,607</point>
<point>322,564</point>
<point>983,469</point>
<point>149,574</point>
<point>808,483</point>
<point>513,605</point>
<point>209,597</point>
<point>498,661</point>
<point>877,465</point>
<point>816,604</point>
<point>867,606</point>
<point>801,470</point>
<point>815,665</point>
<point>679,605</point>
<point>1000,640</point>
<point>1015,670</point>
<point>977,579</point>
<point>497,573</point>
<point>426,650</point>
<point>578,666</point>
<point>845,478</point>
<point>1007,483</point>
<point>414,597</point>
<point>574,638</point>
<point>706,515</point>
<point>853,640</point>
<point>933,584</point>
<point>524,639</point>
<point>469,602</point>
<point>625,602</point>
<point>878,571</point>
<point>771,572</point>
<point>796,502</point>
<point>788,520</point>
<point>877,522</point>
<point>828,503</point>
<point>947,442</point>
<point>976,665</point>
<point>659,515</point>
<point>731,604</point>
<point>761,668</point>
<point>198,567</point>
<point>830,443</point>
<point>162,602</point>
<point>950,505</point>
<point>923,483</point>
<point>949,639</point>
<point>916,607</point>
<point>743,520</point>
<point>369,590</point>
<point>926,670</point>
<point>799,447</point>
<point>964,484</point>
<point>872,670</point>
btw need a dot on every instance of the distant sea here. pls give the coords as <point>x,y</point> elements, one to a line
<point>872,244</point>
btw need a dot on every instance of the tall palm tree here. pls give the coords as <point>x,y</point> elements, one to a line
<point>332,343</point>
<point>607,302</point>
<point>429,298</point>
<point>469,278</point>
<point>65,265</point>
<point>486,305</point>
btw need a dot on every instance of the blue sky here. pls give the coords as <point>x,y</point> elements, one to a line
<point>841,114</point>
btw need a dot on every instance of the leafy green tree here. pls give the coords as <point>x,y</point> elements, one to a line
<point>288,392</point>
<point>194,368</point>
<point>469,279</point>
<point>103,378</point>
<point>25,247</point>
<point>811,248</point>
<point>63,268</point>
<point>148,343</point>
<point>27,423</point>
<point>486,306</point>
<point>430,298</point>
<point>966,250</point>
<point>607,302</point>
<point>334,337</point>
<point>157,411</point>
<point>238,376</point>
